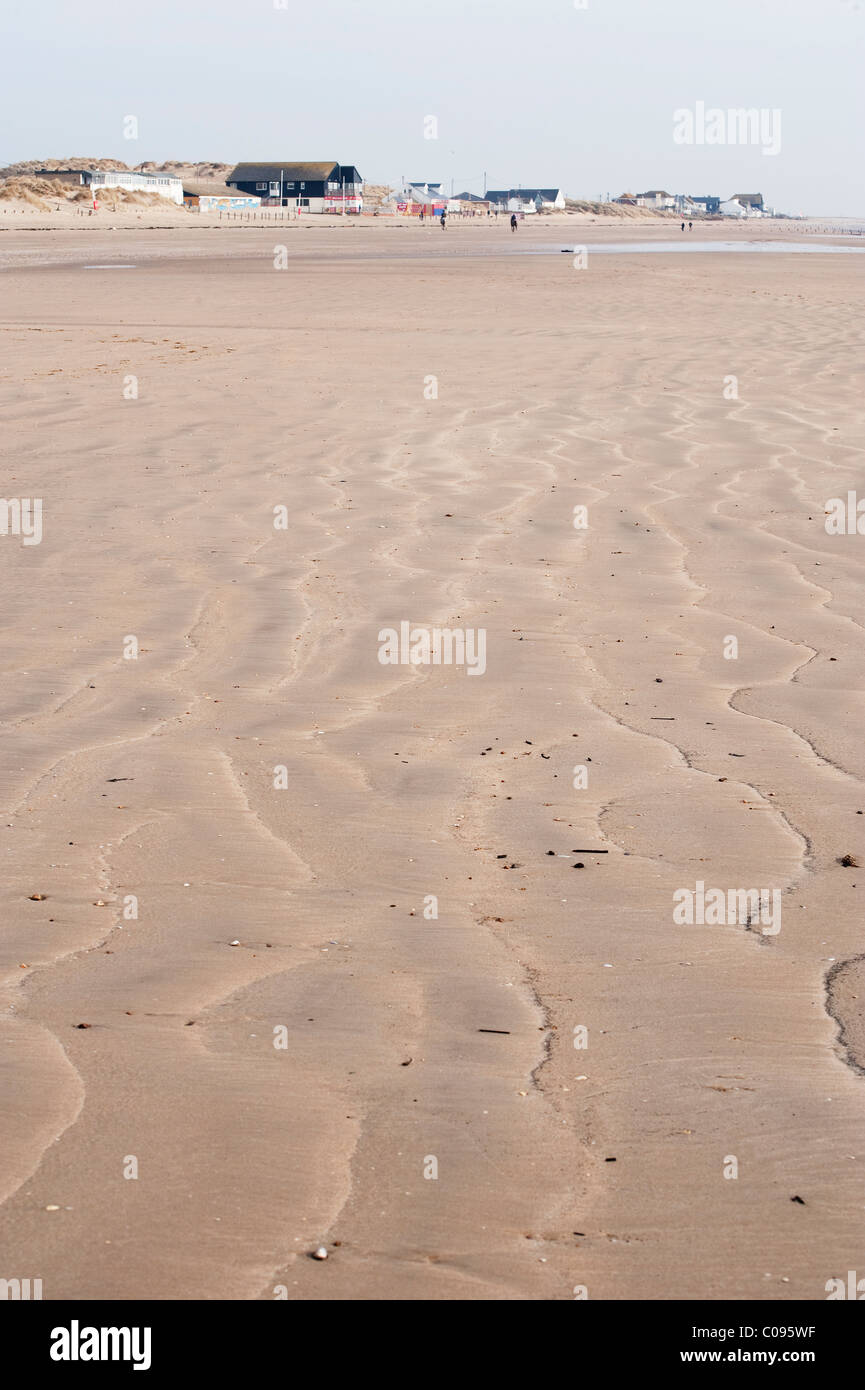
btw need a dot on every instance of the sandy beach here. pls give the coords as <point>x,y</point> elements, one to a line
<point>318,913</point>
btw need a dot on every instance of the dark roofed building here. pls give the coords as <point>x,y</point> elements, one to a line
<point>73,177</point>
<point>313,173</point>
<point>749,200</point>
<point>469,205</point>
<point>312,187</point>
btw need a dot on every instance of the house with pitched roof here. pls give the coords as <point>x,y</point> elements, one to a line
<point>743,205</point>
<point>424,192</point>
<point>526,199</point>
<point>753,201</point>
<point>657,198</point>
<point>325,186</point>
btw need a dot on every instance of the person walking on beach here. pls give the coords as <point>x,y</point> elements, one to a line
<point>683,226</point>
<point>513,221</point>
<point>444,224</point>
<point>690,226</point>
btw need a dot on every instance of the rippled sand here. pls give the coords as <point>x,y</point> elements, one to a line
<point>152,778</point>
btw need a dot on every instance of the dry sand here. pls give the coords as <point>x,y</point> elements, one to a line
<point>154,777</point>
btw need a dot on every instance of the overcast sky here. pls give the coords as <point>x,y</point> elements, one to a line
<point>530,92</point>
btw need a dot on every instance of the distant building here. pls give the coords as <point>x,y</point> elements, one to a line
<point>709,205</point>
<point>422,198</point>
<point>74,177</point>
<point>163,184</point>
<point>526,199</point>
<point>321,187</point>
<point>752,201</point>
<point>469,204</point>
<point>208,196</point>
<point>743,205</point>
<point>657,198</point>
<point>426,192</point>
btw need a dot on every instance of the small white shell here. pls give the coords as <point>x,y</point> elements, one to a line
<point>320,1253</point>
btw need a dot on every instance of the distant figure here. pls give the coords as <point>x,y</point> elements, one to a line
<point>690,226</point>
<point>443,222</point>
<point>513,221</point>
<point>683,226</point>
<point>421,214</point>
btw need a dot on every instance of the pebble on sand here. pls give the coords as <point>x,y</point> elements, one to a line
<point>320,1253</point>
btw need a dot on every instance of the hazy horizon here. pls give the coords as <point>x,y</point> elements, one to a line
<point>521,93</point>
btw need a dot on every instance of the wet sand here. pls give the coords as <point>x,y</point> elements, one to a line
<point>149,783</point>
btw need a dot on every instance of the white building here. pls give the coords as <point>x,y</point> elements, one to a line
<point>656,198</point>
<point>163,184</point>
<point>744,205</point>
<point>424,192</point>
<point>526,199</point>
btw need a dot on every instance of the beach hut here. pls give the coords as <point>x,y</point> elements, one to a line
<point>209,196</point>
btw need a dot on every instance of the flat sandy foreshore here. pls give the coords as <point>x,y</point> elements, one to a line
<point>360,965</point>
